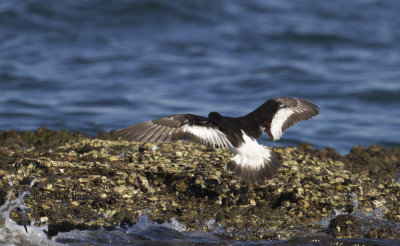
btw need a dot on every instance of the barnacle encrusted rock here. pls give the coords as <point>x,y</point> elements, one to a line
<point>91,182</point>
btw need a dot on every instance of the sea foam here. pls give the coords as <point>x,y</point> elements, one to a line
<point>13,234</point>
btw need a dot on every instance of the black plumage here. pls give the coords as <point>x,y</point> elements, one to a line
<point>238,134</point>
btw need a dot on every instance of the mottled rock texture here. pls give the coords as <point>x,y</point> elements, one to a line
<point>87,182</point>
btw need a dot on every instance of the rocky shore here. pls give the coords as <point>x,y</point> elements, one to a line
<point>87,183</point>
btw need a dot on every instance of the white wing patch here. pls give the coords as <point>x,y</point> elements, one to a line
<point>277,122</point>
<point>250,154</point>
<point>209,135</point>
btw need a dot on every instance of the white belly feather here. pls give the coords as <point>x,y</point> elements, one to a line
<point>251,154</point>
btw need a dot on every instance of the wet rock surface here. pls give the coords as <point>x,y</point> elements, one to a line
<point>87,183</point>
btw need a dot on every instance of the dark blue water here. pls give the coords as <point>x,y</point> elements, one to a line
<point>100,65</point>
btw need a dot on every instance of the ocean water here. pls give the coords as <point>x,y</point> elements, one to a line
<point>98,65</point>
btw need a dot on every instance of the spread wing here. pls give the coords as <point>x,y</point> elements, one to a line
<point>189,127</point>
<point>277,114</point>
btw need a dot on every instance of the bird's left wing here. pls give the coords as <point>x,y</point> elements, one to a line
<point>189,127</point>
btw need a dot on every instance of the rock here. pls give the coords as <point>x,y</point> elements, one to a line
<point>86,183</point>
<point>346,225</point>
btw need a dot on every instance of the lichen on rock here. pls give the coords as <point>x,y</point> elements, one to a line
<point>91,182</point>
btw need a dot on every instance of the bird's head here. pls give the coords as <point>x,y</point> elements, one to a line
<point>214,116</point>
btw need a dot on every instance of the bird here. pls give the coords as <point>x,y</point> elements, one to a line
<point>251,161</point>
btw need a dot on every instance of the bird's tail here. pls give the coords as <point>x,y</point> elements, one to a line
<point>256,171</point>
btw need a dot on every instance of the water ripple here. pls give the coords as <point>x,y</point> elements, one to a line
<point>99,65</point>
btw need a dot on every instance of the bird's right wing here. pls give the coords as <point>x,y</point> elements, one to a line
<point>277,114</point>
